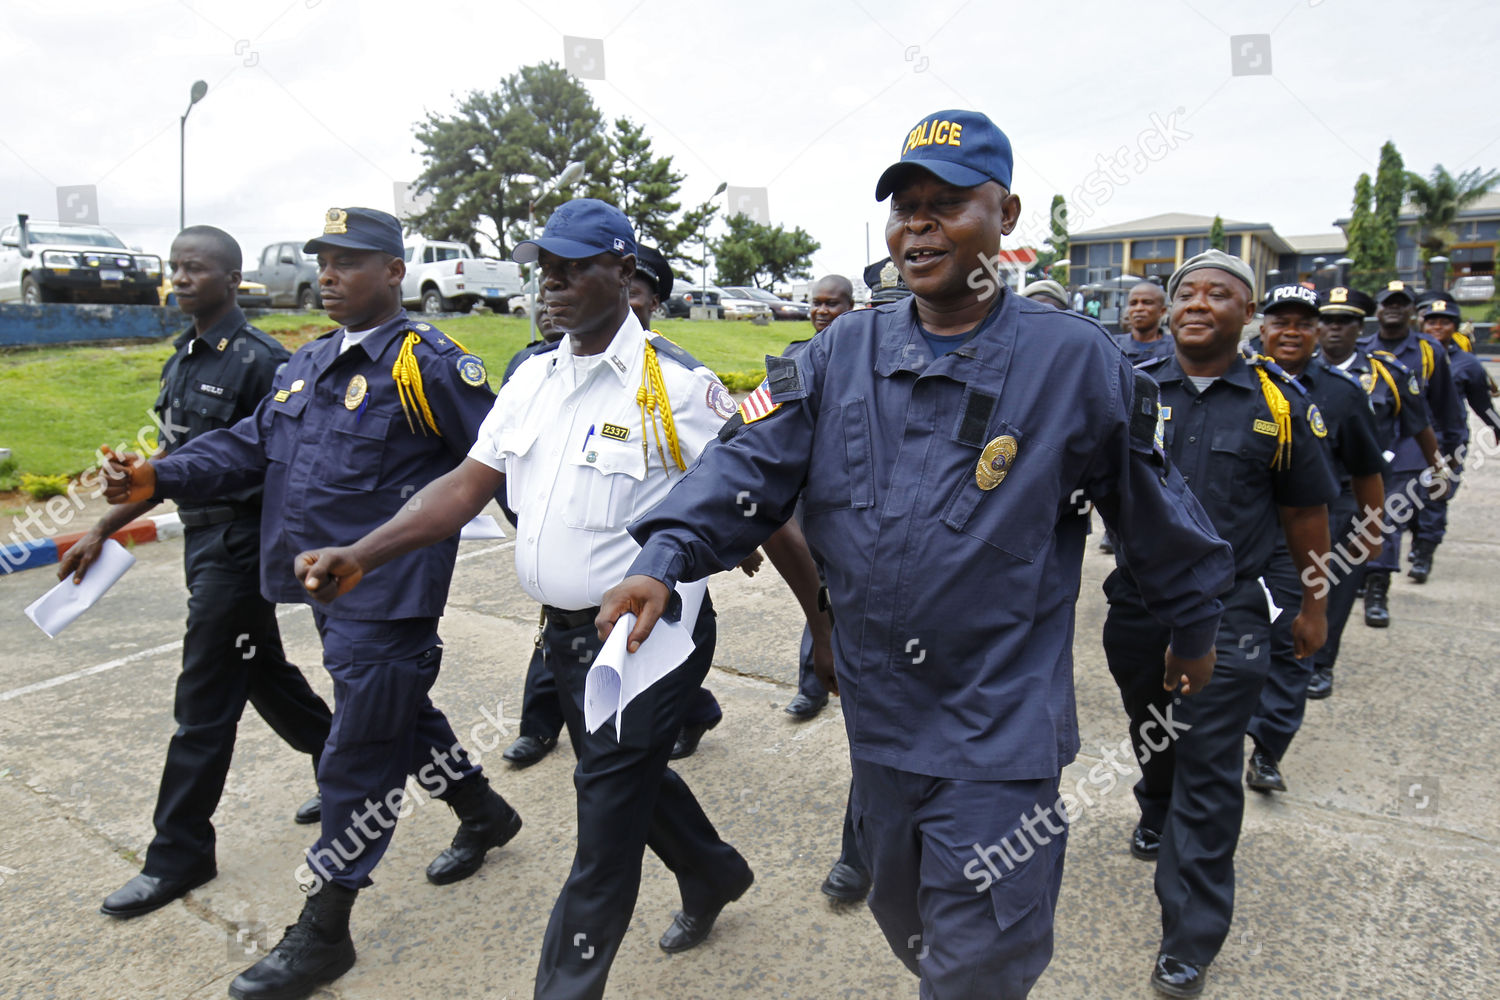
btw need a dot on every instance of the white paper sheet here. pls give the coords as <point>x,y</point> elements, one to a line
<point>59,607</point>
<point>617,677</point>
<point>1272,608</point>
<point>483,526</point>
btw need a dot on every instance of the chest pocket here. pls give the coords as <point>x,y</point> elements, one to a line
<point>1021,512</point>
<point>604,490</point>
<point>351,456</point>
<point>286,423</point>
<point>210,407</point>
<point>1238,456</point>
<point>841,475</point>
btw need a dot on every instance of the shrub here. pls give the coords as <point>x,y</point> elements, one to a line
<point>44,487</point>
<point>741,381</point>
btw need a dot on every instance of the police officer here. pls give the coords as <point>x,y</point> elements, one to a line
<point>220,368</point>
<point>1429,361</point>
<point>1395,399</point>
<point>541,715</point>
<point>1047,292</point>
<point>355,421</point>
<point>1143,338</point>
<point>583,438</point>
<point>1440,316</point>
<point>1289,329</point>
<point>939,443</point>
<point>1249,444</point>
<point>885,282</point>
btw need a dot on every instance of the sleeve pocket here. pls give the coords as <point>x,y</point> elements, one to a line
<point>842,456</point>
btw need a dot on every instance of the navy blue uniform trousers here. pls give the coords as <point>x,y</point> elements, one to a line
<point>384,728</point>
<point>628,800</point>
<point>1402,482</point>
<point>970,931</point>
<point>1191,752</point>
<point>1341,596</point>
<point>231,654</point>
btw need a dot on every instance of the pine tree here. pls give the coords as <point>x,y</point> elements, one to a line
<point>1390,190</point>
<point>1216,233</point>
<point>1364,241</point>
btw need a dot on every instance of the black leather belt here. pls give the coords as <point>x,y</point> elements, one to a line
<point>570,619</point>
<point>202,517</point>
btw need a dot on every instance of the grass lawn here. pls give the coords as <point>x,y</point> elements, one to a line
<point>61,403</point>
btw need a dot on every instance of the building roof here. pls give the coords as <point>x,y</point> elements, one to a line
<point>1318,243</point>
<point>1488,207</point>
<point>1168,223</point>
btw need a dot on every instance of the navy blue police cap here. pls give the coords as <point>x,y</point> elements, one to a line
<point>1290,297</point>
<point>358,229</point>
<point>1393,289</point>
<point>580,228</point>
<point>651,265</point>
<point>963,148</point>
<point>1441,304</point>
<point>1342,301</point>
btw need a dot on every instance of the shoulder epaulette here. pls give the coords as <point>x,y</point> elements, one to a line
<point>1152,363</point>
<point>1391,361</point>
<point>1270,365</point>
<point>407,374</point>
<point>671,350</point>
<point>1338,372</point>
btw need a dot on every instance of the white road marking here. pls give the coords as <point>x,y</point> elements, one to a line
<point>100,668</point>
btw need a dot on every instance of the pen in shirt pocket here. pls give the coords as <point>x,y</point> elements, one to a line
<point>587,436</point>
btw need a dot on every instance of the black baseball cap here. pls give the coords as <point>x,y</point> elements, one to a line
<point>1393,289</point>
<point>358,229</point>
<point>963,148</point>
<point>651,265</point>
<point>580,228</point>
<point>1290,297</point>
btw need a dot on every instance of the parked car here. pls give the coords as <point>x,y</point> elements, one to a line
<point>780,307</point>
<point>730,304</point>
<point>289,276</point>
<point>65,262</point>
<point>447,277</point>
<point>1474,288</point>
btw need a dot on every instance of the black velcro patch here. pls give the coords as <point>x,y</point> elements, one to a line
<point>1143,407</point>
<point>731,426</point>
<point>784,379</point>
<point>978,407</point>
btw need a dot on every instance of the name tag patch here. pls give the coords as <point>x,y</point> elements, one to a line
<point>212,390</point>
<point>1265,427</point>
<point>616,432</point>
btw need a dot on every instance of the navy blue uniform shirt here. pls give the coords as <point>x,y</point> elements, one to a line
<point>953,604</point>
<point>1438,392</point>
<point>1395,398</point>
<point>215,380</point>
<point>1473,387</point>
<point>1224,441</point>
<point>1139,352</point>
<point>1353,445</point>
<point>333,472</point>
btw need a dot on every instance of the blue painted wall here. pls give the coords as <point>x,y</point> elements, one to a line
<point>60,323</point>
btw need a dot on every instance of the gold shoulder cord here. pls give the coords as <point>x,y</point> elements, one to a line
<point>407,375</point>
<point>1464,342</point>
<point>1281,412</point>
<point>652,395</point>
<point>1428,364</point>
<point>1385,375</point>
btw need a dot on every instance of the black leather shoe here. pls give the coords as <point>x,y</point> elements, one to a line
<point>1145,844</point>
<point>689,930</point>
<point>1262,774</point>
<point>315,950</point>
<point>145,893</point>
<point>687,739</point>
<point>846,883</point>
<point>310,811</point>
<point>1175,978</point>
<point>802,708</point>
<point>485,821</point>
<point>527,750</point>
<point>1321,685</point>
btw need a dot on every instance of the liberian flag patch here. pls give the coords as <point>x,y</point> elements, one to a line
<point>758,404</point>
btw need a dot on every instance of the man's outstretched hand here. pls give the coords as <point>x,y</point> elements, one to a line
<point>128,478</point>
<point>1191,675</point>
<point>643,596</point>
<point>328,573</point>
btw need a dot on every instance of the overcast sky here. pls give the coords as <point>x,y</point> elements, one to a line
<point>311,103</point>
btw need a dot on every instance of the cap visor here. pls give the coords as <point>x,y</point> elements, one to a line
<point>527,251</point>
<point>1306,307</point>
<point>345,242</point>
<point>1342,311</point>
<point>953,173</point>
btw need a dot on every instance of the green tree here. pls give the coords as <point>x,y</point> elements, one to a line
<point>1216,233</point>
<point>753,254</point>
<point>483,164</point>
<point>1364,240</point>
<point>1055,255</point>
<point>1390,192</point>
<point>1438,200</point>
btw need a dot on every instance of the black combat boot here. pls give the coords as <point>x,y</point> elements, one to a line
<point>1421,560</point>
<point>1377,613</point>
<point>315,950</point>
<point>485,820</point>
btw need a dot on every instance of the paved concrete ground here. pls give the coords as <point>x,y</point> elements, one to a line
<point>1376,875</point>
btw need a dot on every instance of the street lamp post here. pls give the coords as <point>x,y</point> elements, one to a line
<point>723,186</point>
<point>194,96</point>
<point>570,174</point>
<point>1344,264</point>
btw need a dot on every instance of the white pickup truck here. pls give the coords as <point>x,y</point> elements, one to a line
<point>447,277</point>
